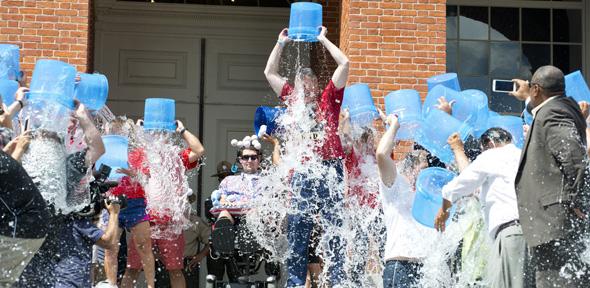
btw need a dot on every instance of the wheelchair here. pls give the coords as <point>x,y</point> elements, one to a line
<point>235,243</point>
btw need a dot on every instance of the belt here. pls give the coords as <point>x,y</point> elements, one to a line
<point>506,225</point>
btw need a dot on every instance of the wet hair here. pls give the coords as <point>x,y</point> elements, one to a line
<point>433,161</point>
<point>412,159</point>
<point>549,78</point>
<point>495,136</point>
<point>472,147</point>
<point>305,72</point>
<point>367,133</point>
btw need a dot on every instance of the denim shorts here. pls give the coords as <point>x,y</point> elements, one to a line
<point>133,214</point>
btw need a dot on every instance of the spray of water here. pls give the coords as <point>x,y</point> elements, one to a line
<point>45,162</point>
<point>302,188</point>
<point>440,268</point>
<point>165,182</point>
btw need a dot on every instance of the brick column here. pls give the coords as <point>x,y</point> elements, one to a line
<point>47,29</point>
<point>394,45</point>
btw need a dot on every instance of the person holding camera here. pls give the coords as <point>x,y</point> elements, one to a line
<point>79,234</point>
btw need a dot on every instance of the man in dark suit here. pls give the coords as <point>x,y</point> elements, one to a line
<point>551,183</point>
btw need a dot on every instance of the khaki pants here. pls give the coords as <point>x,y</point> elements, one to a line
<point>15,254</point>
<point>509,259</point>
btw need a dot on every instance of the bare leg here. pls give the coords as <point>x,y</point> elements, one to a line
<point>143,244</point>
<point>130,278</point>
<point>315,270</point>
<point>177,279</point>
<point>110,260</point>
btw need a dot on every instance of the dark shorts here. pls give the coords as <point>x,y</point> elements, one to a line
<point>133,214</point>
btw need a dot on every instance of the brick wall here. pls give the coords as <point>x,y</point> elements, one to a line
<point>394,45</point>
<point>56,29</point>
<point>331,19</point>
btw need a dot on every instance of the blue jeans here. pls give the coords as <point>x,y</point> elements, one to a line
<point>315,193</point>
<point>401,274</point>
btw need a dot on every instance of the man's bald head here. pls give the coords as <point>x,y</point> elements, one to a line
<point>550,78</point>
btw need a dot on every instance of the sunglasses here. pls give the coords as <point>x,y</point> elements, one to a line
<point>249,157</point>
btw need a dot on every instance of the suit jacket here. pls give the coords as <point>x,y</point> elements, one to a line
<point>551,178</point>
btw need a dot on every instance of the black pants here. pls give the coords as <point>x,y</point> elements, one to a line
<point>191,276</point>
<point>219,267</point>
<point>558,264</point>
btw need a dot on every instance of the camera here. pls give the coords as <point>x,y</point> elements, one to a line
<point>98,188</point>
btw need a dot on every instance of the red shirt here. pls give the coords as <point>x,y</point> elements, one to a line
<point>329,111</point>
<point>132,189</point>
<point>356,183</point>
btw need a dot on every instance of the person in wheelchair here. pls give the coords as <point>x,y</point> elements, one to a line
<point>230,238</point>
<point>232,199</point>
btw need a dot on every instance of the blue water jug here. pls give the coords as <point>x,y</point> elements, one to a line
<point>115,156</point>
<point>305,21</point>
<point>406,104</point>
<point>428,199</point>
<point>92,90</point>
<point>9,62</point>
<point>359,102</point>
<point>53,81</point>
<point>512,124</point>
<point>268,116</point>
<point>449,80</point>
<point>431,100</point>
<point>159,114</point>
<point>493,114</point>
<point>576,87</point>
<point>437,128</point>
<point>472,108</point>
<point>8,90</point>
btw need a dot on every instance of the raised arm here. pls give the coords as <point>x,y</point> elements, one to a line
<point>470,178</point>
<point>341,74</point>
<point>386,165</point>
<point>272,66</point>
<point>108,240</point>
<point>197,149</point>
<point>18,146</point>
<point>91,135</point>
<point>276,148</point>
<point>459,151</point>
<point>14,108</point>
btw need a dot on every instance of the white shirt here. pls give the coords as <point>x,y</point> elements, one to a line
<point>406,238</point>
<point>494,170</point>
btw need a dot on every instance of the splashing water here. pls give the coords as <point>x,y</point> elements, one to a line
<point>437,271</point>
<point>45,162</point>
<point>166,185</point>
<point>305,189</point>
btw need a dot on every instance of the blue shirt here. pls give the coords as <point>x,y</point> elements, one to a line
<point>78,236</point>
